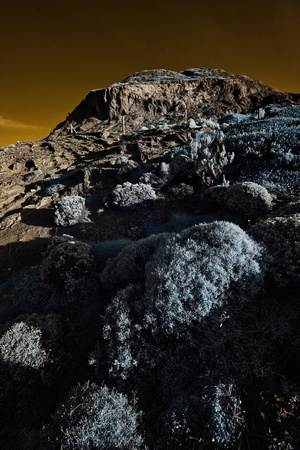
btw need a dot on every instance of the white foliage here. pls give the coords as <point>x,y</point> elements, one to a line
<point>129,195</point>
<point>70,210</point>
<point>21,344</point>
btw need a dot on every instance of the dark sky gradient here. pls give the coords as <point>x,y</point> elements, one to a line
<point>53,52</point>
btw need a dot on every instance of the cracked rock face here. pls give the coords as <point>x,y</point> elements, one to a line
<point>148,95</point>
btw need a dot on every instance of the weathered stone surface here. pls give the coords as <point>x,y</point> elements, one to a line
<point>10,221</point>
<point>149,95</point>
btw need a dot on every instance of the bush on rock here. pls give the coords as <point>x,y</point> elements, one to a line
<point>247,199</point>
<point>70,210</point>
<point>128,195</point>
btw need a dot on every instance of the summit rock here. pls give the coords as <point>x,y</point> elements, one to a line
<point>148,95</point>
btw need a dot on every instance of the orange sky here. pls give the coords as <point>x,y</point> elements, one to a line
<point>53,52</point>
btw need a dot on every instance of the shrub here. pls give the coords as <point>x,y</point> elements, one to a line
<point>204,157</point>
<point>22,344</point>
<point>93,417</point>
<point>181,191</point>
<point>198,270</point>
<point>129,265</point>
<point>164,332</point>
<point>278,179</point>
<point>225,414</point>
<point>280,236</point>
<point>35,344</point>
<point>273,136</point>
<point>70,211</point>
<point>266,151</point>
<point>22,359</point>
<point>193,269</point>
<point>68,269</point>
<point>126,165</point>
<point>209,136</point>
<point>209,416</point>
<point>158,176</point>
<point>247,199</point>
<point>35,358</point>
<point>179,279</point>
<point>129,195</point>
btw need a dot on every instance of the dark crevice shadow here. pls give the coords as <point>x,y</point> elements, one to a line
<point>38,217</point>
<point>20,255</point>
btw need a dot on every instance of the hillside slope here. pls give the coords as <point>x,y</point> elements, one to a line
<point>149,253</point>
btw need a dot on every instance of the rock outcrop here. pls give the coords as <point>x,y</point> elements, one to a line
<point>146,96</point>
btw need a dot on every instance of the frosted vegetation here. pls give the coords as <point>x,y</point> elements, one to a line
<point>21,344</point>
<point>265,150</point>
<point>125,165</point>
<point>169,289</point>
<point>247,199</point>
<point>68,271</point>
<point>281,237</point>
<point>271,145</point>
<point>280,131</point>
<point>70,210</point>
<point>204,156</point>
<point>129,195</point>
<point>180,279</point>
<point>94,417</point>
<point>188,274</point>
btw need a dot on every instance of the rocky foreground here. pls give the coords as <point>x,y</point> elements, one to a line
<point>149,253</point>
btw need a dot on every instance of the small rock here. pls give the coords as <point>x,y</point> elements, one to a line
<point>10,221</point>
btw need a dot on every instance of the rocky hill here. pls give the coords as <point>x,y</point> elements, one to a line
<point>146,97</point>
<point>149,253</point>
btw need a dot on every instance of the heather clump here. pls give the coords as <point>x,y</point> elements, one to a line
<point>70,210</point>
<point>170,289</point>
<point>130,195</point>
<point>94,417</point>
<point>68,270</point>
<point>280,236</point>
<point>21,344</point>
<point>247,199</point>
